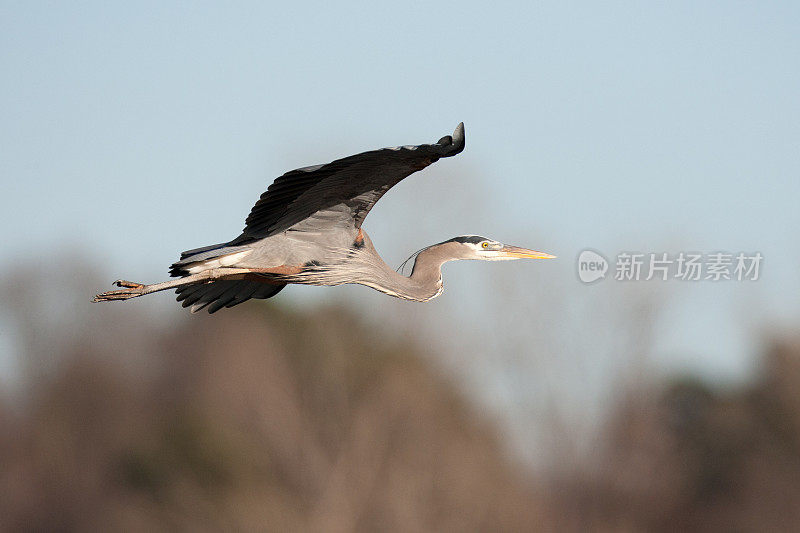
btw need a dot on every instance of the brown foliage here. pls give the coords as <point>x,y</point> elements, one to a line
<point>252,420</point>
<point>695,458</point>
<point>264,419</point>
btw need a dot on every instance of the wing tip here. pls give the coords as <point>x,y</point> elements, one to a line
<point>452,145</point>
<point>458,137</point>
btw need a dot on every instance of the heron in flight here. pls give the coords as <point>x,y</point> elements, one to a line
<point>306,228</point>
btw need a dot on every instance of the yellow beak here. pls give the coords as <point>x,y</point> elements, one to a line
<point>524,253</point>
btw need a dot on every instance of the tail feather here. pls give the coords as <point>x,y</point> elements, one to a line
<point>224,293</point>
<point>225,254</point>
<point>200,250</point>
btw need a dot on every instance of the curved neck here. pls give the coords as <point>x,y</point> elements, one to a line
<point>425,282</point>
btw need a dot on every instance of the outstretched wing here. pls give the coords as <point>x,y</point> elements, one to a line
<point>340,193</point>
<point>224,293</point>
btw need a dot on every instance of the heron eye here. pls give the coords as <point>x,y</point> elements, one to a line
<point>485,244</point>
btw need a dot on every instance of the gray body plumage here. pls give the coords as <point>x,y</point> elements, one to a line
<point>311,218</point>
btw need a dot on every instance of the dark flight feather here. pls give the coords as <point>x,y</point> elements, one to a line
<point>356,182</point>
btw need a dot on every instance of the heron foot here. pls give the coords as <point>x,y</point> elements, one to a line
<point>131,290</point>
<point>128,284</point>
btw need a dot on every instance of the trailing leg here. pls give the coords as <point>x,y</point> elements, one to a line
<point>132,289</point>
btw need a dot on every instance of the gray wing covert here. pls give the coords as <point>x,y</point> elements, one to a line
<point>341,192</point>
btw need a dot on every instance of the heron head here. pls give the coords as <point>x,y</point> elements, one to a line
<point>477,247</point>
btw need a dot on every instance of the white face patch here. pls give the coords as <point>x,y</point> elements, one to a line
<point>488,250</point>
<point>486,245</point>
<point>498,256</point>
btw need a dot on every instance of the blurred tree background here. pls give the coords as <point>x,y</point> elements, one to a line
<point>286,420</point>
<point>521,399</point>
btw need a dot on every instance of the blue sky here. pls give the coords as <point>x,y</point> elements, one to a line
<point>130,132</point>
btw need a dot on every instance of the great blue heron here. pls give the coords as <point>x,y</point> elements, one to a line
<point>307,229</point>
